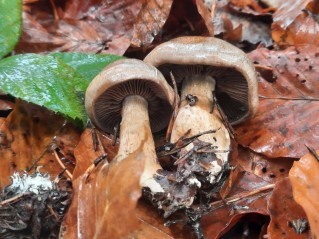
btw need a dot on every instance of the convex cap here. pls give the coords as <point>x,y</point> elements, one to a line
<point>235,76</point>
<point>106,92</point>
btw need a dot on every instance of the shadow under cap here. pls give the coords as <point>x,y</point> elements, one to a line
<point>235,76</point>
<point>107,91</point>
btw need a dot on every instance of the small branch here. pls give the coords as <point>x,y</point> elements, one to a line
<point>287,98</point>
<point>313,152</point>
<point>62,164</point>
<point>14,199</point>
<point>241,196</point>
<point>176,108</point>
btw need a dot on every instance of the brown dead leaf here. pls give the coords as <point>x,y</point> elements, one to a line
<point>28,137</point>
<point>287,116</point>
<point>250,7</point>
<point>91,26</point>
<point>238,28</point>
<point>6,105</point>
<point>288,11</point>
<point>295,26</point>
<point>150,21</point>
<point>205,12</point>
<point>269,169</point>
<point>246,197</point>
<point>283,209</point>
<point>304,178</point>
<point>86,154</point>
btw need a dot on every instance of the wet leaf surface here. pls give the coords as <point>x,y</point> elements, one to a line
<point>304,177</point>
<point>287,116</point>
<point>296,24</point>
<point>283,209</point>
<point>235,27</point>
<point>269,169</point>
<point>225,216</point>
<point>29,135</point>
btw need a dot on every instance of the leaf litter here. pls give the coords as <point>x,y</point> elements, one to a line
<point>275,137</point>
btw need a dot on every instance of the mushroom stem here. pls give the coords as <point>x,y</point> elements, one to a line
<point>199,118</point>
<point>136,135</point>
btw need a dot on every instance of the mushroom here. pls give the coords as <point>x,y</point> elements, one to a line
<point>207,69</point>
<point>137,95</point>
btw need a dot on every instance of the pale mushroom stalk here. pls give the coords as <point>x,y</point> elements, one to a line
<point>135,131</point>
<point>198,118</point>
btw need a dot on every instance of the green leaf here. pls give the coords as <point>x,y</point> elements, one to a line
<point>87,65</point>
<point>10,24</point>
<point>46,81</point>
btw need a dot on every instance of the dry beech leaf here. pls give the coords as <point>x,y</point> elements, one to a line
<point>225,215</point>
<point>30,134</point>
<point>91,26</point>
<point>287,117</point>
<point>87,151</point>
<point>283,209</point>
<point>238,27</point>
<point>296,30</point>
<point>6,105</point>
<point>150,21</point>
<point>304,177</point>
<point>288,11</point>
<point>205,12</point>
<point>269,169</point>
<point>250,7</point>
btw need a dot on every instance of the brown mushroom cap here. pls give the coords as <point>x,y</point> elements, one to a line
<point>106,92</point>
<point>236,81</point>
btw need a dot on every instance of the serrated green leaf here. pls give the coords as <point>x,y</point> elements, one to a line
<point>10,24</point>
<point>87,65</point>
<point>46,81</point>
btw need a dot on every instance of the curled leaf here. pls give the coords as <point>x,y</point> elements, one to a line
<point>304,177</point>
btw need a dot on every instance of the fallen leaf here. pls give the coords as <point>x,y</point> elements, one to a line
<point>295,30</point>
<point>6,105</point>
<point>283,209</point>
<point>206,14</point>
<point>269,169</point>
<point>150,21</point>
<point>29,135</point>
<point>287,116</point>
<point>238,28</point>
<point>248,195</point>
<point>288,11</point>
<point>304,178</point>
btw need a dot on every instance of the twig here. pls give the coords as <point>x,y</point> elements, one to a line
<point>313,152</point>
<point>176,107</point>
<point>287,98</point>
<point>15,198</point>
<point>62,164</point>
<point>240,196</point>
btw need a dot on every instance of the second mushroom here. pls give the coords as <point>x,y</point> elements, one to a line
<point>218,88</point>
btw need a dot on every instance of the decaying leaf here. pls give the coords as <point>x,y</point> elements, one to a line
<point>287,116</point>
<point>304,178</point>
<point>283,212</point>
<point>296,23</point>
<point>91,26</point>
<point>237,27</point>
<point>29,137</point>
<point>150,21</point>
<point>249,195</point>
<point>269,169</point>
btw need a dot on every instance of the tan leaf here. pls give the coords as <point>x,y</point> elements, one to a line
<point>304,177</point>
